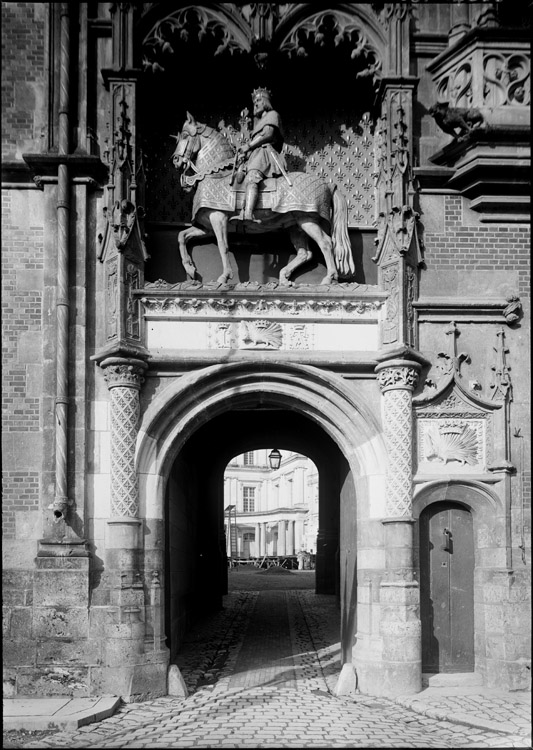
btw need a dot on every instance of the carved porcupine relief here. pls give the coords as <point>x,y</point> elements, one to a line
<point>452,440</point>
<point>261,334</point>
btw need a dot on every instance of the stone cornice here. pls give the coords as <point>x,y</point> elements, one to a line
<point>80,165</point>
<point>480,34</point>
<point>271,300</point>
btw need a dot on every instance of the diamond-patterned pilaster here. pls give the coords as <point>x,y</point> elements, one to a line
<point>397,381</point>
<point>124,378</point>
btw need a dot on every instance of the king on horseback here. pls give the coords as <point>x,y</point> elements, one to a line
<point>262,153</point>
<point>303,204</point>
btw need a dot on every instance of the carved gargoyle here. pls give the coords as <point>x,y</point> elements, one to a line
<point>449,119</point>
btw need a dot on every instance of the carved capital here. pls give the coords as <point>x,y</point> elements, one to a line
<point>397,375</point>
<point>127,373</point>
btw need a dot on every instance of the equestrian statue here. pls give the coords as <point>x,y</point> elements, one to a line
<point>251,187</point>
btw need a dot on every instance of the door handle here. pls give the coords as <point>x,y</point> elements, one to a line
<point>446,545</point>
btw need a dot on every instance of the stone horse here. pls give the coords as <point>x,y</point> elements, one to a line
<point>302,203</point>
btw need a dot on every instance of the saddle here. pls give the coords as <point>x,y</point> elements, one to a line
<point>269,185</point>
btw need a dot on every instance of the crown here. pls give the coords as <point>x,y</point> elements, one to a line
<point>260,93</point>
<point>451,428</point>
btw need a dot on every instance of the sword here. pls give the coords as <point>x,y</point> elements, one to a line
<point>237,157</point>
<point>283,172</point>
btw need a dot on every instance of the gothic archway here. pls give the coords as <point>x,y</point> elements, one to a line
<point>199,399</point>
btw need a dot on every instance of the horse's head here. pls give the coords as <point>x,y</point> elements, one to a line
<point>187,143</point>
<point>201,149</point>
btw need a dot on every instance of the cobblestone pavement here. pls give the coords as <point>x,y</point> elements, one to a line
<point>260,675</point>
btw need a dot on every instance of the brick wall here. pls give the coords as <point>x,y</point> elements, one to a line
<point>22,268</point>
<point>480,247</point>
<point>23,73</point>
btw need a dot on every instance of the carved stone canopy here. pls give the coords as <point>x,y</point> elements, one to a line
<point>263,30</point>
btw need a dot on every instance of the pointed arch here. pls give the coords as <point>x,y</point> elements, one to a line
<point>191,401</point>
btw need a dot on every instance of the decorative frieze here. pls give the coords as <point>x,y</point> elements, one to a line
<point>173,306</point>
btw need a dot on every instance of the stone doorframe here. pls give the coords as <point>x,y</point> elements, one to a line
<point>490,568</point>
<point>196,398</point>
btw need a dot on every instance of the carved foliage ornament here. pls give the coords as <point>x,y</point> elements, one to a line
<point>398,377</point>
<point>207,306</point>
<point>506,79</point>
<point>501,386</point>
<point>124,375</point>
<point>333,29</point>
<point>186,24</point>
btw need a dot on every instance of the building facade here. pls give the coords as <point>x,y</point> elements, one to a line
<point>270,512</point>
<point>381,328</point>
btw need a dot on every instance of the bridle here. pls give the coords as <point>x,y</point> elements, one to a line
<point>189,144</point>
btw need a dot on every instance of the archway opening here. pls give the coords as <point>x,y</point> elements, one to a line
<point>198,534</point>
<point>271,513</point>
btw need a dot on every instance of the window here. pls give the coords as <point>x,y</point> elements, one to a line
<point>248,499</point>
<point>249,458</point>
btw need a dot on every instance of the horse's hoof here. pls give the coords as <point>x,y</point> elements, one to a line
<point>328,280</point>
<point>224,279</point>
<point>284,281</point>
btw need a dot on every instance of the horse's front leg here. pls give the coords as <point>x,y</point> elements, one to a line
<point>303,254</point>
<point>183,237</point>
<point>219,222</point>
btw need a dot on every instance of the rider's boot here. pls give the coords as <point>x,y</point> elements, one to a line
<point>252,193</point>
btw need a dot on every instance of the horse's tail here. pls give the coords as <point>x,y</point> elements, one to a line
<point>342,249</point>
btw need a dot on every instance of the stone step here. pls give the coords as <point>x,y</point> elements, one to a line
<point>455,679</point>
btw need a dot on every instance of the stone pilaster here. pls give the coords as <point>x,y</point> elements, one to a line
<point>400,627</point>
<point>125,661</point>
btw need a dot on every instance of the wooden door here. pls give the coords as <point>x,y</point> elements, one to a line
<point>447,588</point>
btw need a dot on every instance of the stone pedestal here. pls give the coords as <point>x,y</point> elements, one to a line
<point>400,626</point>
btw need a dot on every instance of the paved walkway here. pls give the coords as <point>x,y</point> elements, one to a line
<point>260,674</point>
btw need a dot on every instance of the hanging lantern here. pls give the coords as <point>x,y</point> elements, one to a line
<point>274,459</point>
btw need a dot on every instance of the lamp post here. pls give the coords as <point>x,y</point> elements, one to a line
<point>274,459</point>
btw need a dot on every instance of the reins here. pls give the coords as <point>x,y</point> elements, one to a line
<point>209,153</point>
